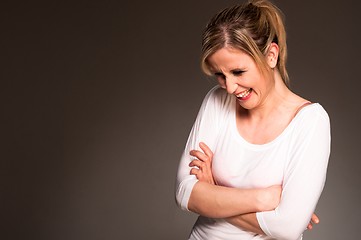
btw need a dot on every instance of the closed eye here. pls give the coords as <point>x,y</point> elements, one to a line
<point>237,72</point>
<point>219,75</point>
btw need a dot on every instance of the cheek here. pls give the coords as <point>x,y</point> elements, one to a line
<point>260,82</point>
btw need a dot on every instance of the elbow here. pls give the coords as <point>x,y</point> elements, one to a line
<point>183,192</point>
<point>179,200</point>
<point>289,236</point>
<point>283,228</point>
<point>288,232</point>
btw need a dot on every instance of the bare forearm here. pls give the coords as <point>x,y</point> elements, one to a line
<point>246,222</point>
<point>222,202</point>
<point>210,200</point>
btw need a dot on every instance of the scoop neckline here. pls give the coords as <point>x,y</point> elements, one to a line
<point>278,138</point>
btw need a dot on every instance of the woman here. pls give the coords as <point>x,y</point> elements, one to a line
<point>255,162</point>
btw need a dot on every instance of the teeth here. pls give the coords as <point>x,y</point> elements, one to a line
<point>244,93</point>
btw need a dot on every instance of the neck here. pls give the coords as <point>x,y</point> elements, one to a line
<point>275,101</point>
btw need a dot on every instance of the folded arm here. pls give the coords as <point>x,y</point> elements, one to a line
<point>210,200</point>
<point>250,223</point>
<point>214,201</point>
<point>303,183</point>
<point>222,202</point>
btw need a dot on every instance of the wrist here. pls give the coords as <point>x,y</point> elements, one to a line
<point>261,199</point>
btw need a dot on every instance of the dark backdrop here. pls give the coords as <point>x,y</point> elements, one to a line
<point>98,97</point>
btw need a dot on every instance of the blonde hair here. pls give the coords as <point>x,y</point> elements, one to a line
<point>250,27</point>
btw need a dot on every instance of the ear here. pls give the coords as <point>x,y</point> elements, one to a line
<point>272,55</point>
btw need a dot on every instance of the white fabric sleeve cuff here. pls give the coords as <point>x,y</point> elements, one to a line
<point>262,223</point>
<point>184,192</point>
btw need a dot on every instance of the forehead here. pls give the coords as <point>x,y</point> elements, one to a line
<point>229,58</point>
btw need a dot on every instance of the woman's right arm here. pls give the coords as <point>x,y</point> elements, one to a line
<point>208,199</point>
<point>259,198</point>
<point>197,192</point>
<point>223,202</point>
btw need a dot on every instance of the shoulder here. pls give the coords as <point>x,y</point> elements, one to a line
<point>314,111</point>
<point>312,119</point>
<point>218,97</point>
<point>216,105</point>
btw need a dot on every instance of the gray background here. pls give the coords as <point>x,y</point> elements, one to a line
<point>98,97</point>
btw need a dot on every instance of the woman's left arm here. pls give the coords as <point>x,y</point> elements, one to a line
<point>303,183</point>
<point>249,222</point>
<point>304,179</point>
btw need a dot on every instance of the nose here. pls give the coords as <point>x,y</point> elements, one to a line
<point>231,85</point>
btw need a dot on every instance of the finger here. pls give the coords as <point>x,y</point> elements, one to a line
<point>198,173</point>
<point>196,163</point>
<point>315,219</point>
<point>195,171</point>
<point>200,155</point>
<point>309,226</point>
<point>206,149</point>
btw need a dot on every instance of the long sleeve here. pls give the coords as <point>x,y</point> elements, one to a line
<point>304,178</point>
<point>205,129</point>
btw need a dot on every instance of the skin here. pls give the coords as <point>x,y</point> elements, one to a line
<point>211,200</point>
<point>271,105</point>
<point>263,115</point>
<point>203,172</point>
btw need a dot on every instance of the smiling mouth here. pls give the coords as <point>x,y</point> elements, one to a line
<point>243,95</point>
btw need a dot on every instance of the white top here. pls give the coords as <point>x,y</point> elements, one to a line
<point>297,159</point>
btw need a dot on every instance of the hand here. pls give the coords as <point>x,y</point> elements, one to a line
<point>314,220</point>
<point>202,166</point>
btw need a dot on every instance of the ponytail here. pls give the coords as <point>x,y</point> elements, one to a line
<point>272,17</point>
